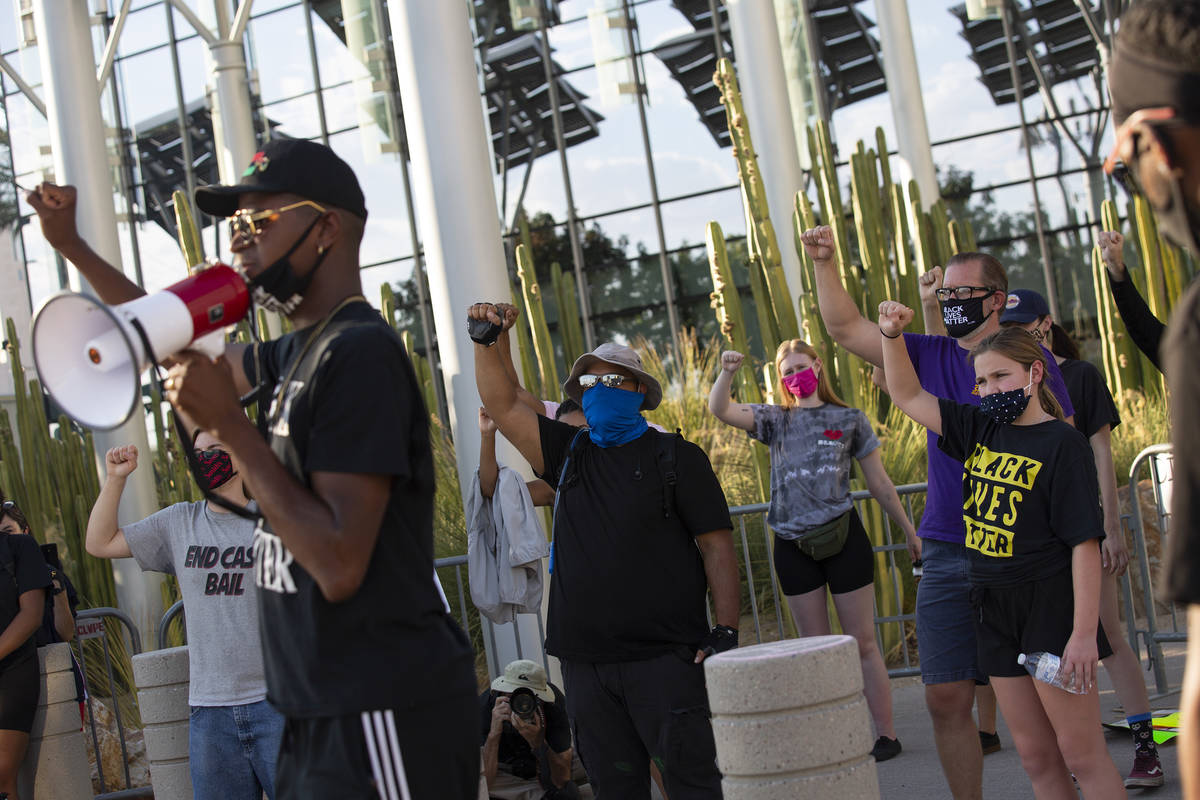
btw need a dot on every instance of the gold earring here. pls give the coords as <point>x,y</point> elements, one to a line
<point>320,249</point>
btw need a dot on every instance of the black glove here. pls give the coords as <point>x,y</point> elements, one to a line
<point>718,640</point>
<point>483,331</point>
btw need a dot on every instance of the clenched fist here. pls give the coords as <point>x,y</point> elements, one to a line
<point>731,360</point>
<point>894,318</point>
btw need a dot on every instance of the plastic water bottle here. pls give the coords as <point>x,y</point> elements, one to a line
<point>1047,668</point>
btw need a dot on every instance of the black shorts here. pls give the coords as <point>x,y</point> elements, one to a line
<point>1034,617</point>
<point>19,691</point>
<point>430,753</point>
<point>852,568</point>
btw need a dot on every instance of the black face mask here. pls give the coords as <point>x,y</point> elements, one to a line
<point>216,468</point>
<point>278,288</point>
<point>962,317</point>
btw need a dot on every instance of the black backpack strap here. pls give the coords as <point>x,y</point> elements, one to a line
<point>665,458</point>
<point>558,488</point>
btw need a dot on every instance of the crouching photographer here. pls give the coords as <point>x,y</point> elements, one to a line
<point>526,737</point>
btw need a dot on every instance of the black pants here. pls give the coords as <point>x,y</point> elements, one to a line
<point>430,753</point>
<point>625,714</point>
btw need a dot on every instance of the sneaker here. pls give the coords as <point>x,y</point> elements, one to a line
<point>886,748</point>
<point>1147,771</point>
<point>990,742</point>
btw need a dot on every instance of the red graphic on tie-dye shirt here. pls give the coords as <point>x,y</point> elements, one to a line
<point>835,435</point>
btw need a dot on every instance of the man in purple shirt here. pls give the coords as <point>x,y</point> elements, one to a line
<point>973,292</point>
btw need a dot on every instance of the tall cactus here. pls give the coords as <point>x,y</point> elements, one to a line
<point>189,235</point>
<point>764,247</point>
<point>569,329</point>
<point>532,293</point>
<point>728,305</point>
<point>1124,364</point>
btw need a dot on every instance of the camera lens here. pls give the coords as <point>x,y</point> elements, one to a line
<point>523,703</point>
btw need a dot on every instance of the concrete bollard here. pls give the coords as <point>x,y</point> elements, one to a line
<point>162,682</point>
<point>56,764</point>
<point>791,722</point>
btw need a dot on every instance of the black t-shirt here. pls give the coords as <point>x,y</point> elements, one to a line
<point>628,582</point>
<point>353,406</point>
<point>22,569</point>
<point>1029,494</point>
<point>514,751</point>
<point>1094,406</point>
<point>1179,360</point>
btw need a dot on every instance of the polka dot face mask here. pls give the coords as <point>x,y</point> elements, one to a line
<point>1005,407</point>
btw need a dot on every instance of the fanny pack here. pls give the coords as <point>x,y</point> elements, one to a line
<point>825,540</point>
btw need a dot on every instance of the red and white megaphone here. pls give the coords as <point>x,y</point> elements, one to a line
<point>90,356</point>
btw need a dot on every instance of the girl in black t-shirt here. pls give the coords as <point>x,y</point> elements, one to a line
<point>1031,508</point>
<point>815,438</point>
<point>23,581</point>
<point>1095,417</point>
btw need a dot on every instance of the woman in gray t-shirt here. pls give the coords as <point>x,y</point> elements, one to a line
<point>814,438</point>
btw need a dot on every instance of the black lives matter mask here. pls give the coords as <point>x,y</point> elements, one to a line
<point>278,288</point>
<point>962,317</point>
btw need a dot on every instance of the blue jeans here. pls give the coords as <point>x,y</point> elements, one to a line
<point>233,751</point>
<point>945,624</point>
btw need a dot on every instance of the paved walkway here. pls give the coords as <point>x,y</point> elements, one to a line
<point>917,775</point>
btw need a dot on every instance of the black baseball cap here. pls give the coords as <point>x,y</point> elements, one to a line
<point>294,166</point>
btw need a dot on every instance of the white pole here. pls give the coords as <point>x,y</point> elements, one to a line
<point>764,86</point>
<point>81,158</point>
<point>904,91</point>
<point>458,219</point>
<point>231,109</point>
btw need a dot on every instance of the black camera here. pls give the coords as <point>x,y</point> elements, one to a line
<point>50,556</point>
<point>524,704</point>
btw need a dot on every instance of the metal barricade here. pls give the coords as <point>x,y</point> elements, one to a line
<point>92,624</point>
<point>1159,459</point>
<point>176,610</point>
<point>754,518</point>
<point>757,513</point>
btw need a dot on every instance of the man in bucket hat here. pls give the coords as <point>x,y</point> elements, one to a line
<point>526,737</point>
<point>641,532</point>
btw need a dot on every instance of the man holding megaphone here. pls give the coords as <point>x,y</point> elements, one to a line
<point>350,615</point>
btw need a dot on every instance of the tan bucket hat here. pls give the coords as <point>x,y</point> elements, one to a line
<point>618,355</point>
<point>524,674</point>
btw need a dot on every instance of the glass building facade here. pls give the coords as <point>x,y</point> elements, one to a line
<point>642,191</point>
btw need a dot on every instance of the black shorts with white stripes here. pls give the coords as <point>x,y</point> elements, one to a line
<point>428,753</point>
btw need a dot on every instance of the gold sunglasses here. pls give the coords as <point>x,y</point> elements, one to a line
<point>248,225</point>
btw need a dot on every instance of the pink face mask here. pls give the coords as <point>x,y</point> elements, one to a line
<point>802,383</point>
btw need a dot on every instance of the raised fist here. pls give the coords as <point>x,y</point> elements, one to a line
<point>731,360</point>
<point>818,243</point>
<point>894,318</point>
<point>1111,243</point>
<point>120,461</point>
<point>929,283</point>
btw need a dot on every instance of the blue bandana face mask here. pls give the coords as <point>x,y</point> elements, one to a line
<point>1005,407</point>
<point>613,415</point>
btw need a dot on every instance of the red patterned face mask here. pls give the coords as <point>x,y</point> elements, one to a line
<point>216,468</point>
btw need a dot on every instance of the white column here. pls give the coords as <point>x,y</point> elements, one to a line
<point>764,86</point>
<point>457,216</point>
<point>232,120</point>
<point>904,91</point>
<point>80,158</point>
